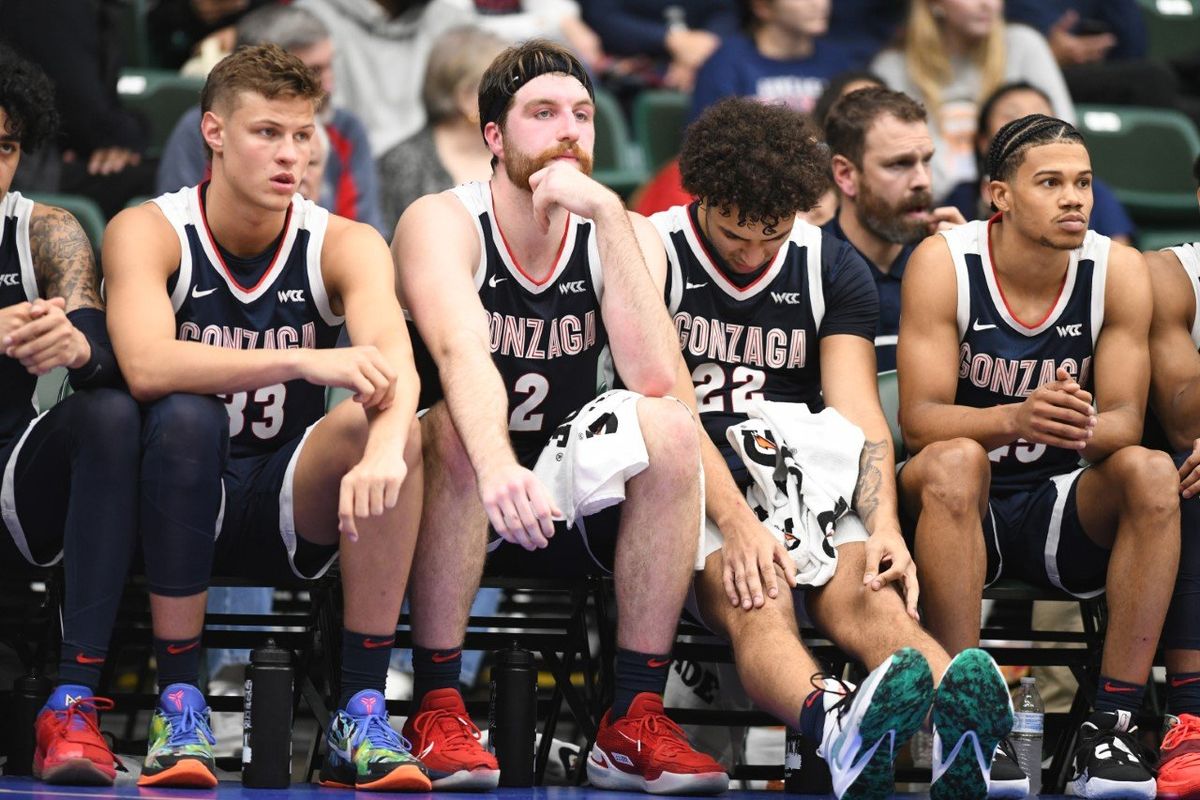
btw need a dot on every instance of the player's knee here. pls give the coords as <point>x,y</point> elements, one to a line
<point>955,475</point>
<point>669,432</point>
<point>110,419</point>
<point>185,424</point>
<point>1148,480</point>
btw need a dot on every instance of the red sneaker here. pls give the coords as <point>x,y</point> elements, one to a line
<point>70,749</point>
<point>1179,760</point>
<point>447,742</point>
<point>645,750</point>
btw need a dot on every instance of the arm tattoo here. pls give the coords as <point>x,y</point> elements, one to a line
<point>63,259</point>
<point>866,493</point>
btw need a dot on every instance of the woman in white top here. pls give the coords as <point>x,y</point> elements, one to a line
<point>953,54</point>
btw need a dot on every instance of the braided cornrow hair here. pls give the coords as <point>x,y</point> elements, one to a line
<point>1007,150</point>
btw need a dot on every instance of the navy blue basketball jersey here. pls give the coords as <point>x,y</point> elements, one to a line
<point>547,339</point>
<point>761,341</point>
<point>1002,360</point>
<point>18,284</point>
<point>286,306</point>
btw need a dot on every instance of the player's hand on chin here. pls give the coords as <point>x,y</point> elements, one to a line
<point>362,370</point>
<point>369,489</point>
<point>888,560</point>
<point>561,184</point>
<point>748,558</point>
<point>518,506</point>
<point>47,339</point>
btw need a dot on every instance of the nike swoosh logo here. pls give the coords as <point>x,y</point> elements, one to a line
<point>812,698</point>
<point>656,663</point>
<point>1177,682</point>
<point>599,761</point>
<point>197,293</point>
<point>442,658</point>
<point>426,751</point>
<point>80,658</point>
<point>695,285</point>
<point>1108,687</point>
<point>375,644</point>
<point>175,649</point>
<point>978,327</point>
<point>492,281</point>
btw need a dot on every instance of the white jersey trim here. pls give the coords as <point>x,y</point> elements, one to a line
<point>468,194</point>
<point>316,222</point>
<point>1189,258</point>
<point>14,205</point>
<point>1096,248</point>
<point>958,239</point>
<point>174,207</point>
<point>667,222</point>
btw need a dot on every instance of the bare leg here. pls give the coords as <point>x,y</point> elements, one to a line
<point>945,488</point>
<point>1130,502</point>
<point>869,625</point>
<point>453,542</point>
<point>660,523</point>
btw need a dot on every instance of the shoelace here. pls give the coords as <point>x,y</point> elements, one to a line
<point>374,728</point>
<point>1182,731</point>
<point>459,734</point>
<point>819,680</point>
<point>80,711</point>
<point>188,725</point>
<point>661,729</point>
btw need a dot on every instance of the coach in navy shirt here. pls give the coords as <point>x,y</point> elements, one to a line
<point>782,58</point>
<point>881,149</point>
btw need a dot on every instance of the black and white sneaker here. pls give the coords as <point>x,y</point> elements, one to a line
<point>1007,779</point>
<point>1109,761</point>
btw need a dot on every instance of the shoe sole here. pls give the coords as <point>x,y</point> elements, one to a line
<point>972,712</point>
<point>887,711</point>
<point>75,772</point>
<point>1008,790</point>
<point>1100,789</point>
<point>603,776</point>
<point>187,774</point>
<point>1184,794</point>
<point>409,778</point>
<point>469,780</point>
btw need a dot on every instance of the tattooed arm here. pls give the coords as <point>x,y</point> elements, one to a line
<point>849,384</point>
<point>65,326</point>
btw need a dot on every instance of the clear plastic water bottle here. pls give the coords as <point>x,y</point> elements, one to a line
<point>1028,719</point>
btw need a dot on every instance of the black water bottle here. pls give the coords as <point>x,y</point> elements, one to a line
<point>804,772</point>
<point>28,696</point>
<point>512,715</point>
<point>267,724</point>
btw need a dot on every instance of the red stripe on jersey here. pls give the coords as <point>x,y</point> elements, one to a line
<point>992,262</point>
<point>221,259</point>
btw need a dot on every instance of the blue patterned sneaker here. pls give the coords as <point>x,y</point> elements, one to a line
<point>864,727</point>
<point>363,752</point>
<point>179,753</point>
<point>972,713</point>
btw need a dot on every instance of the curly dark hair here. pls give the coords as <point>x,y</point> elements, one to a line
<point>761,159</point>
<point>27,97</point>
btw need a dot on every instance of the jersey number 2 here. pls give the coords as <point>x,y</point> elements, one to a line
<point>537,388</point>
<point>269,399</point>
<point>745,384</point>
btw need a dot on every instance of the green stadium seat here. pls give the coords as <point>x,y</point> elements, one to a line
<point>617,163</point>
<point>1158,238</point>
<point>52,387</point>
<point>659,117</point>
<point>889,398</point>
<point>162,96</point>
<point>1173,27</point>
<point>82,208</point>
<point>133,34</point>
<point>1145,155</point>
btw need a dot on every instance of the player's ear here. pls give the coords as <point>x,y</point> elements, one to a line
<point>212,128</point>
<point>494,137</point>
<point>1001,196</point>
<point>845,175</point>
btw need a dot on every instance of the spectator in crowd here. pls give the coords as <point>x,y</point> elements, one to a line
<point>1013,101</point>
<point>1103,49</point>
<point>678,35</point>
<point>350,187</point>
<point>559,20</point>
<point>380,50</point>
<point>177,27</point>
<point>953,55</point>
<point>448,150</point>
<point>100,151</point>
<point>782,56</point>
<point>881,150</point>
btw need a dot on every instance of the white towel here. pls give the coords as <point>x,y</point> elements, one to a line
<point>803,468</point>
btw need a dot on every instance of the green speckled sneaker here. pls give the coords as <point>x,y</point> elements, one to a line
<point>865,726</point>
<point>972,712</point>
